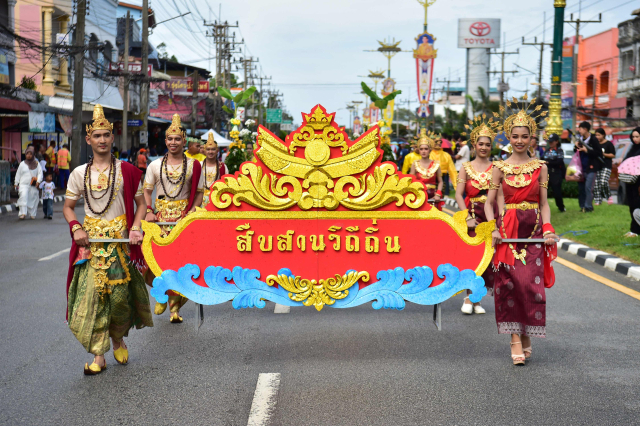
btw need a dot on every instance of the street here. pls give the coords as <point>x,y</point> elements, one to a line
<point>336,367</point>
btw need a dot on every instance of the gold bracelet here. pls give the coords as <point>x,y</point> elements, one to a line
<point>75,227</point>
<point>135,228</point>
<point>150,211</point>
<point>544,234</point>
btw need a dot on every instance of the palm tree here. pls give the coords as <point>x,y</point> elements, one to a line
<point>484,104</point>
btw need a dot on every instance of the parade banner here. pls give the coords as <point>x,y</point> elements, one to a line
<point>425,56</point>
<point>318,220</point>
<point>388,86</point>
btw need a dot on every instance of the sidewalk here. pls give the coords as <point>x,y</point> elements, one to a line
<point>609,261</point>
<point>12,207</point>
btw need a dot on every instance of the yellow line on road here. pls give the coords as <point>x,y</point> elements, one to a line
<point>602,280</point>
<point>451,212</point>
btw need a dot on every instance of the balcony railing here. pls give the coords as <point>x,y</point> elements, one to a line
<point>628,84</point>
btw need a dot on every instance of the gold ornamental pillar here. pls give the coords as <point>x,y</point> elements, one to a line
<point>554,123</point>
<point>48,68</point>
<point>64,71</point>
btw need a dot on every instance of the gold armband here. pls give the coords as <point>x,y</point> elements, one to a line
<point>494,186</point>
<point>544,184</point>
<point>459,180</point>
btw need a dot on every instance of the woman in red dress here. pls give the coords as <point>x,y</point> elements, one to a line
<point>428,171</point>
<point>474,180</point>
<point>523,270</point>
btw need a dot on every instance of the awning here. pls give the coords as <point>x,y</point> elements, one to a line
<point>157,75</point>
<point>221,141</point>
<point>65,104</point>
<point>14,105</point>
<point>158,120</point>
<point>97,91</point>
<point>42,107</point>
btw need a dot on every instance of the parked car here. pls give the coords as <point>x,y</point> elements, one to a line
<point>568,152</point>
<point>622,147</point>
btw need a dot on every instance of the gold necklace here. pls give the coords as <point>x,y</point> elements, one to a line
<point>103,180</point>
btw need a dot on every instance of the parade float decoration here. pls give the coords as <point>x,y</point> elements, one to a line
<point>425,56</point>
<point>318,220</point>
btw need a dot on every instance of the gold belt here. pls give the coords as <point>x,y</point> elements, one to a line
<point>171,209</point>
<point>522,206</point>
<point>103,229</point>
<point>429,186</point>
<point>482,199</point>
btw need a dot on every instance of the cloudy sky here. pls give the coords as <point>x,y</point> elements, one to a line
<point>315,51</point>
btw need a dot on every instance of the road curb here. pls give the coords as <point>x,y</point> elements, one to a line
<point>602,258</point>
<point>8,208</point>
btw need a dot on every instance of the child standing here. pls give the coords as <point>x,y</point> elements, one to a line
<point>47,196</point>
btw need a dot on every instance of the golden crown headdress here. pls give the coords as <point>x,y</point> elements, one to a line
<point>211,142</point>
<point>99,121</point>
<point>521,118</point>
<point>176,127</point>
<point>481,127</point>
<point>426,138</point>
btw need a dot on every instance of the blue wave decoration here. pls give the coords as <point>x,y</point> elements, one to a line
<point>244,288</point>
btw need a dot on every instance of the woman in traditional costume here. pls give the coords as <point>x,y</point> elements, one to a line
<point>428,171</point>
<point>179,186</point>
<point>212,168</point>
<point>523,270</point>
<point>106,294</point>
<point>28,178</point>
<point>474,180</point>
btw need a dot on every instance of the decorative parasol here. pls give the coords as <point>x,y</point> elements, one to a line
<point>630,166</point>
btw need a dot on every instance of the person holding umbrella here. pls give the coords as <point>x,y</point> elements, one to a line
<point>629,171</point>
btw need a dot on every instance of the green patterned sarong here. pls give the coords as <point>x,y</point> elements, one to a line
<point>94,319</point>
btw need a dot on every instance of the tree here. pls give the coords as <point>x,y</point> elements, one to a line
<point>484,104</point>
<point>163,54</point>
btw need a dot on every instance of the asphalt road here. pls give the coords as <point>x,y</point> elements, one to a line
<point>337,367</point>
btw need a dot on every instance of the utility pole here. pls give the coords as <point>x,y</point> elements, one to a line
<point>144,86</point>
<point>542,44</point>
<point>259,121</point>
<point>502,86</point>
<point>78,82</point>
<point>125,99</point>
<point>448,82</point>
<point>194,102</point>
<point>577,23</point>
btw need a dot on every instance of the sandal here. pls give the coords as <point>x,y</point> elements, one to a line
<point>630,235</point>
<point>175,318</point>
<point>517,359</point>
<point>527,352</point>
<point>94,369</point>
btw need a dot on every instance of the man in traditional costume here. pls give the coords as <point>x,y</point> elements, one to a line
<point>28,178</point>
<point>411,158</point>
<point>106,294</point>
<point>193,149</point>
<point>447,165</point>
<point>212,168</point>
<point>179,186</point>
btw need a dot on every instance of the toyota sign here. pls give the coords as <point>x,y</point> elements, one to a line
<point>478,33</point>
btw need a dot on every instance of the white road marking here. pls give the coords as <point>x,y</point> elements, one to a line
<point>51,256</point>
<point>281,309</point>
<point>264,399</point>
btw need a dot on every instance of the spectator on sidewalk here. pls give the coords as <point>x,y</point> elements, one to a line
<point>28,177</point>
<point>554,156</point>
<point>592,161</point>
<point>602,190</point>
<point>463,155</point>
<point>64,159</point>
<point>632,189</point>
<point>47,188</point>
<point>51,154</point>
<point>142,160</point>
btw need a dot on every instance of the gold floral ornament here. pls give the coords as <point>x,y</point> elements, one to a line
<point>307,182</point>
<point>318,294</point>
<point>99,121</point>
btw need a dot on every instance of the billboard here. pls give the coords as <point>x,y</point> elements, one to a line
<point>478,33</point>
